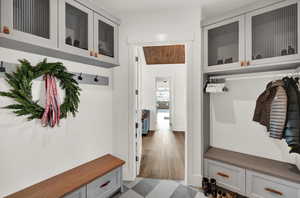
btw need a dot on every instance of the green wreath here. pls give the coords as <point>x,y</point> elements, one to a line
<point>21,83</point>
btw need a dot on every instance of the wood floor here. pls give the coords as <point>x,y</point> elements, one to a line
<point>163,155</point>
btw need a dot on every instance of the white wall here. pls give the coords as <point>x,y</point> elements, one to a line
<point>30,153</point>
<point>164,26</point>
<point>232,127</point>
<point>177,75</point>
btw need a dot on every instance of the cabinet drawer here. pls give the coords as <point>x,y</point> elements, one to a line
<point>104,186</point>
<point>263,186</point>
<point>80,193</point>
<point>227,176</point>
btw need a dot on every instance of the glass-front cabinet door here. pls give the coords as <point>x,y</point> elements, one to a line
<point>105,39</point>
<point>273,34</point>
<point>30,21</point>
<point>224,45</point>
<point>75,28</point>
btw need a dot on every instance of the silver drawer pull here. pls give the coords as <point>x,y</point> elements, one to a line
<point>273,191</point>
<point>105,184</point>
<point>223,175</point>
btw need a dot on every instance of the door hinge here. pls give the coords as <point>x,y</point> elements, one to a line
<point>137,158</point>
<point>136,92</point>
<point>136,59</point>
<point>136,125</point>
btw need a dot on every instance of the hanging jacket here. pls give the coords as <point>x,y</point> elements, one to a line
<point>263,106</point>
<point>292,129</point>
<point>278,110</point>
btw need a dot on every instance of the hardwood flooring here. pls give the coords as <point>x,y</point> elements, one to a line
<point>163,155</point>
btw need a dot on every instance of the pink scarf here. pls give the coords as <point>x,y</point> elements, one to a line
<point>51,114</point>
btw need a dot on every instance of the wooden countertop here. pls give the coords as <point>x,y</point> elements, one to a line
<point>69,181</point>
<point>262,165</point>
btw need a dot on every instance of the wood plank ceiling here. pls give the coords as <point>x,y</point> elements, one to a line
<point>169,54</point>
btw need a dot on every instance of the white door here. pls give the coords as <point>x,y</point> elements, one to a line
<point>272,34</point>
<point>138,110</point>
<point>224,45</point>
<point>30,21</point>
<point>75,28</point>
<point>106,39</point>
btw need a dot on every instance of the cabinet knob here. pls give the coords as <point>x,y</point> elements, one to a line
<point>6,30</point>
<point>248,63</point>
<point>242,63</point>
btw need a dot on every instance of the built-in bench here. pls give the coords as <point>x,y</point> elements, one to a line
<point>252,176</point>
<point>101,177</point>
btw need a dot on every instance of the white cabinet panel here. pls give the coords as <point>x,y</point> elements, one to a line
<point>272,34</point>
<point>80,193</point>
<point>227,176</point>
<point>263,186</point>
<point>75,28</point>
<point>224,44</point>
<point>30,21</point>
<point>106,39</point>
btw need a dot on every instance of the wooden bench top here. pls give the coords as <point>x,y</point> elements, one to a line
<point>69,181</point>
<point>262,165</point>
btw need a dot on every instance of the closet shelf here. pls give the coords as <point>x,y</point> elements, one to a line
<point>254,69</point>
<point>270,167</point>
<point>30,48</point>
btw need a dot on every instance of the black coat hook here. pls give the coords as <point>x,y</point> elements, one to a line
<point>96,79</point>
<point>2,68</point>
<point>80,77</point>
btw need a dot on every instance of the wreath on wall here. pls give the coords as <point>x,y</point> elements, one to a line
<point>21,92</point>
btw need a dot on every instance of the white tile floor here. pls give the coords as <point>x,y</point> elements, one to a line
<point>152,188</point>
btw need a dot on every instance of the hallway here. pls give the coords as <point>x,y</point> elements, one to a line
<point>163,151</point>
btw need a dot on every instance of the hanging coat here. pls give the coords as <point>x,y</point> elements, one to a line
<point>263,106</point>
<point>292,129</point>
<point>278,111</point>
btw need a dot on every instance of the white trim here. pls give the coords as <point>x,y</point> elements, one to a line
<point>240,11</point>
<point>189,177</point>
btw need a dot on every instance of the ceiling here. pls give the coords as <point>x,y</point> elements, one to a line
<point>210,7</point>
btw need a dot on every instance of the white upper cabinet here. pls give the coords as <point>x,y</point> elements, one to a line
<point>258,39</point>
<point>75,28</point>
<point>272,34</point>
<point>105,39</point>
<point>30,21</point>
<point>224,44</point>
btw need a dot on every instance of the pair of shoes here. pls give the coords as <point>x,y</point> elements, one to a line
<point>221,194</point>
<point>209,187</point>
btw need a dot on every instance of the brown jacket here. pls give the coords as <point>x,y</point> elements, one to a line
<point>263,106</point>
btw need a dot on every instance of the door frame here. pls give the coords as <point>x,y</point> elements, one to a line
<point>189,44</point>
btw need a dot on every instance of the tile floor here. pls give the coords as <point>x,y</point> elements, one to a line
<point>153,188</point>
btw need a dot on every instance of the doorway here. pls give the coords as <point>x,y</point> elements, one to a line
<point>162,102</point>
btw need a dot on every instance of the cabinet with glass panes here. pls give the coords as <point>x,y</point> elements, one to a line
<point>261,38</point>
<point>34,26</point>
<point>105,39</point>
<point>30,21</point>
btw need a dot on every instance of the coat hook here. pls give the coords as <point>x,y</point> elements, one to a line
<point>96,78</point>
<point>2,68</point>
<point>80,77</point>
